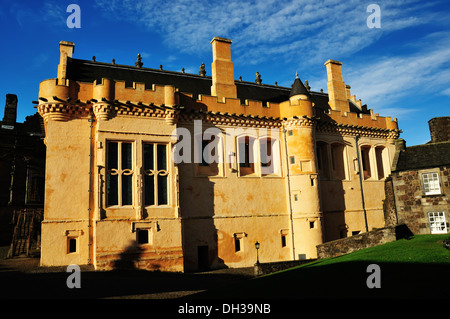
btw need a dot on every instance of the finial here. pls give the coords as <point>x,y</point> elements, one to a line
<point>93,58</point>
<point>202,70</point>
<point>139,61</point>
<point>258,78</point>
<point>307,85</point>
<point>296,74</point>
<point>113,61</point>
<point>182,70</point>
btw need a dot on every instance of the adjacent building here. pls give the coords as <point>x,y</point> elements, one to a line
<point>22,166</point>
<point>167,170</point>
<point>418,188</point>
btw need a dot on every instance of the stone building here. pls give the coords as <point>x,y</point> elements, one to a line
<point>168,170</point>
<point>417,192</point>
<point>22,166</point>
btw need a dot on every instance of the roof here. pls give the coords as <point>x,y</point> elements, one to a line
<point>424,156</point>
<point>298,88</point>
<point>88,71</point>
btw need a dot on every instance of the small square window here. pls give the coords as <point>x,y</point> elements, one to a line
<point>283,240</point>
<point>292,159</point>
<point>296,197</point>
<point>237,244</point>
<point>290,133</point>
<point>71,245</point>
<point>239,241</point>
<point>142,236</point>
<point>311,224</point>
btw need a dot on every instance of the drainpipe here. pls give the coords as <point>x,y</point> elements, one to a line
<point>90,187</point>
<point>361,182</point>
<point>289,190</point>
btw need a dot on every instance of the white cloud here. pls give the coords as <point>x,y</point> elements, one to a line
<point>290,30</point>
<point>383,82</point>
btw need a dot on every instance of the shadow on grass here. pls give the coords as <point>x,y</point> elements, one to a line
<point>343,280</point>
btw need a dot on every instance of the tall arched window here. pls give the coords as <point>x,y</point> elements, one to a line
<point>323,161</point>
<point>338,160</point>
<point>379,151</point>
<point>365,160</point>
<point>269,156</point>
<point>246,155</point>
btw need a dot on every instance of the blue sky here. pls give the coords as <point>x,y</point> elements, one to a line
<point>400,70</point>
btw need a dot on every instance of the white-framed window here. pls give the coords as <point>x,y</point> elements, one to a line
<point>246,155</point>
<point>431,183</point>
<point>437,222</point>
<point>269,156</point>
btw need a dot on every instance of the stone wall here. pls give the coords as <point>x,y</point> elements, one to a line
<point>364,240</point>
<point>267,268</point>
<point>390,213</point>
<point>413,205</point>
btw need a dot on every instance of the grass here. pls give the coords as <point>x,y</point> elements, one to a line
<point>414,268</point>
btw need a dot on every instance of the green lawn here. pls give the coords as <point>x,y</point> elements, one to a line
<point>414,268</point>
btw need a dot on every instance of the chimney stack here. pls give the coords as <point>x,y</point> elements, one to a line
<point>222,69</point>
<point>10,116</point>
<point>337,91</point>
<point>66,50</point>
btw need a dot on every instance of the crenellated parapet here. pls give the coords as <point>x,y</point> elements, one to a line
<point>106,99</point>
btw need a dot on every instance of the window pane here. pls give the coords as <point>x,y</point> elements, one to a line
<point>149,189</point>
<point>112,155</point>
<point>265,152</point>
<point>148,156</point>
<point>244,152</point>
<point>126,156</point>
<point>112,190</point>
<point>142,236</point>
<point>162,157</point>
<point>127,197</point>
<point>204,159</point>
<point>162,190</point>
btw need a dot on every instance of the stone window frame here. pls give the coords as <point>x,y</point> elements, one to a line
<point>155,173</point>
<point>274,169</point>
<point>120,172</point>
<point>73,235</point>
<point>436,171</point>
<point>331,167</point>
<point>239,241</point>
<point>216,168</point>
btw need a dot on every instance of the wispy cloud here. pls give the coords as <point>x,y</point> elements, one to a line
<point>50,13</point>
<point>291,30</point>
<point>385,81</point>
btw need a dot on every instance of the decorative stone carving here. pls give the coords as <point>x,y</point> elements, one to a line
<point>258,79</point>
<point>139,63</point>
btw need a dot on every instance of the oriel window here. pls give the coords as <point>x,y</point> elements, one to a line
<point>155,174</point>
<point>120,172</point>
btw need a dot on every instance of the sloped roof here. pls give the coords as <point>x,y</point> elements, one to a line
<point>88,71</point>
<point>424,156</point>
<point>298,88</point>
